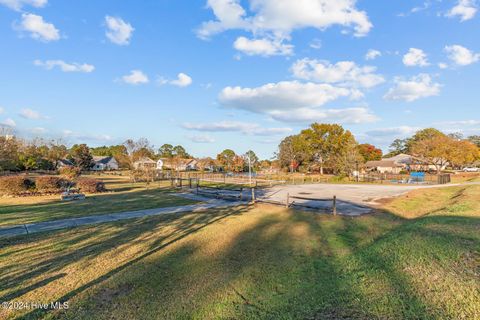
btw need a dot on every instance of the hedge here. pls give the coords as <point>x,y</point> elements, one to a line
<point>91,185</point>
<point>50,184</point>
<point>15,185</point>
<point>70,172</point>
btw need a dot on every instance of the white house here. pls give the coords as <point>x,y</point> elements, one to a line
<point>401,162</point>
<point>64,163</point>
<point>144,164</point>
<point>104,163</point>
<point>177,164</point>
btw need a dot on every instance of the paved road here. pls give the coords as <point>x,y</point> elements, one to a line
<point>75,222</point>
<point>352,199</point>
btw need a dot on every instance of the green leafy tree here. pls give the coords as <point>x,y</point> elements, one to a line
<point>166,151</point>
<point>81,156</point>
<point>475,140</point>
<point>226,158</point>
<point>180,152</point>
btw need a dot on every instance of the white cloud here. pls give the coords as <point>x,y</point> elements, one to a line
<point>18,4</point>
<point>182,80</point>
<point>263,47</point>
<point>65,67</point>
<point>465,9</point>
<point>305,115</point>
<point>420,86</point>
<point>118,31</point>
<point>9,123</point>
<point>32,114</point>
<point>202,139</point>
<point>343,72</point>
<point>277,19</point>
<point>39,29</point>
<point>135,77</point>
<point>236,126</point>
<point>372,54</point>
<point>285,95</point>
<point>316,44</point>
<point>2,110</point>
<point>82,138</point>
<point>293,101</point>
<point>461,56</point>
<point>415,57</point>
<point>443,65</point>
<point>281,17</point>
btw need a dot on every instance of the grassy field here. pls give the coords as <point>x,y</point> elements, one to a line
<point>122,196</point>
<point>418,259</point>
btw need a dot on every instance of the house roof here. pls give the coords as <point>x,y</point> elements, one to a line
<point>383,164</point>
<point>145,160</point>
<point>66,162</point>
<point>101,159</point>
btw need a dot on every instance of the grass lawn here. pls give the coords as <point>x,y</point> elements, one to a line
<point>418,260</point>
<point>123,196</point>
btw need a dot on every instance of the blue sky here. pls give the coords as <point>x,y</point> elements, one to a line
<point>234,74</point>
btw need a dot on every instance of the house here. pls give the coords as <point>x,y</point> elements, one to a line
<point>64,163</point>
<point>177,164</point>
<point>145,164</point>
<point>384,166</point>
<point>401,162</point>
<point>104,163</point>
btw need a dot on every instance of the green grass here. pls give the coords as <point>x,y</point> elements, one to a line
<point>122,196</point>
<point>264,262</point>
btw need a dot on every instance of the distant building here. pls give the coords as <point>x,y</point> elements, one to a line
<point>145,164</point>
<point>401,162</point>
<point>177,164</point>
<point>384,166</point>
<point>104,163</point>
<point>64,163</point>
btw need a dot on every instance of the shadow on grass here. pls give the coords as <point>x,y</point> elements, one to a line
<point>127,235</point>
<point>293,265</point>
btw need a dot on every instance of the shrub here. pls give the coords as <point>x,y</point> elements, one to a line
<point>15,185</point>
<point>91,185</point>
<point>50,184</point>
<point>70,172</point>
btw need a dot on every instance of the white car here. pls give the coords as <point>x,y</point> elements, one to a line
<point>471,169</point>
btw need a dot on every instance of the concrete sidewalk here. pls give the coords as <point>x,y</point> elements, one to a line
<point>29,228</point>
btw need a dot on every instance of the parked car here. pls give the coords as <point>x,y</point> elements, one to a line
<point>471,169</point>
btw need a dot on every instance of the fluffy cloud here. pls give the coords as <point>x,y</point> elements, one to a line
<point>38,28</point>
<point>183,80</point>
<point>118,31</point>
<point>420,86</point>
<point>65,67</point>
<point>18,4</point>
<point>202,139</point>
<point>293,101</point>
<point>372,54</point>
<point>461,56</point>
<point>465,9</point>
<point>32,114</point>
<point>135,77</point>
<point>305,115</point>
<point>343,72</point>
<point>236,126</point>
<point>263,47</point>
<point>415,57</point>
<point>401,131</point>
<point>278,18</point>
<point>286,95</point>
<point>8,123</point>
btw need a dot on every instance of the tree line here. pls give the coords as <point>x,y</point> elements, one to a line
<point>329,147</point>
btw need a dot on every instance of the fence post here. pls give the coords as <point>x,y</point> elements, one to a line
<point>253,195</point>
<point>241,194</point>
<point>334,205</point>
<point>190,183</point>
<point>287,204</point>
